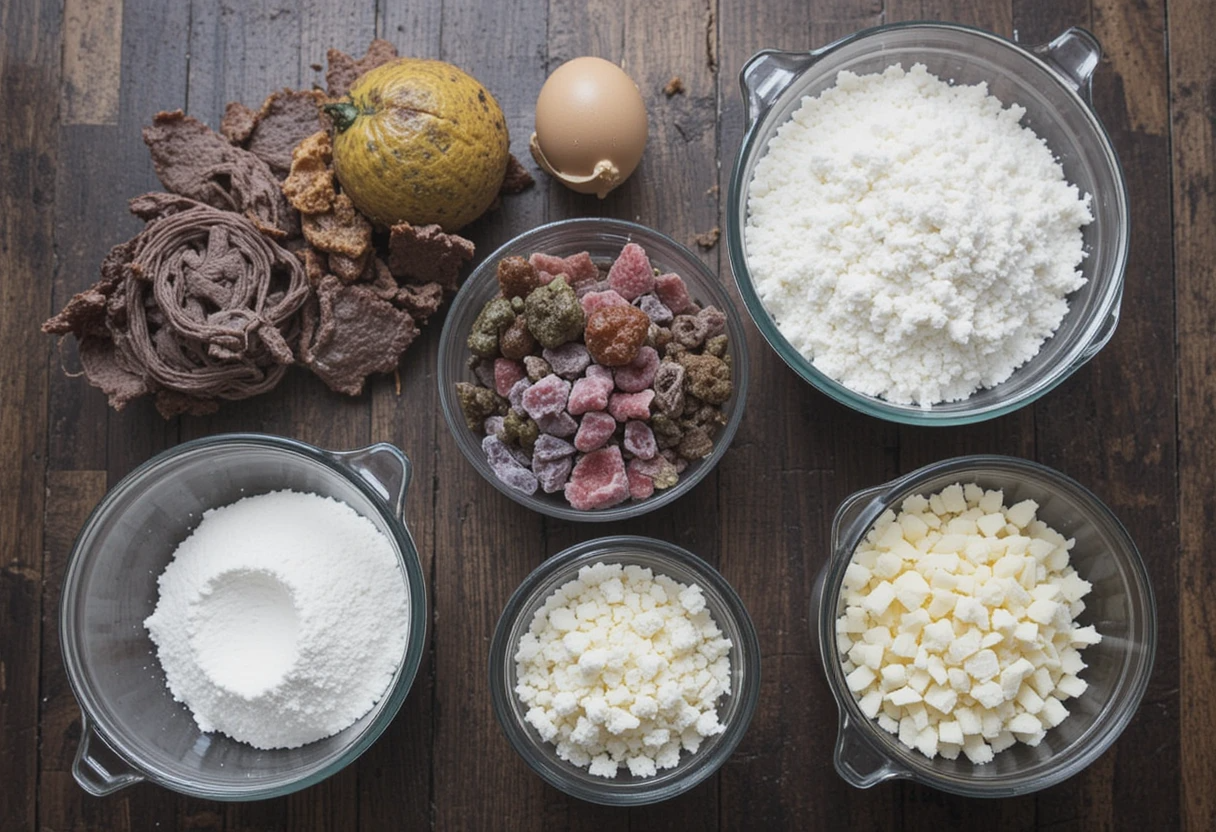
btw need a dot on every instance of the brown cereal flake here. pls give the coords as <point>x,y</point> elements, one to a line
<point>351,333</point>
<point>517,179</point>
<point>238,122</point>
<point>309,186</point>
<point>674,87</point>
<point>287,118</point>
<point>425,254</point>
<point>344,70</point>
<point>342,230</point>
<point>194,161</point>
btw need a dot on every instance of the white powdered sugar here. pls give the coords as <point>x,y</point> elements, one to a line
<point>911,238</point>
<point>281,619</point>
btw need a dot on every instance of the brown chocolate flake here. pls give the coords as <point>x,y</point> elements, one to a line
<point>674,87</point>
<point>310,185</point>
<point>517,179</point>
<point>708,239</point>
<point>351,333</point>
<point>343,69</point>
<point>347,268</point>
<point>194,161</point>
<point>421,300</point>
<point>341,230</point>
<point>425,254</point>
<point>286,119</point>
<point>238,122</point>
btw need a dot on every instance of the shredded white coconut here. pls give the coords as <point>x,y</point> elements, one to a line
<point>281,619</point>
<point>911,238</point>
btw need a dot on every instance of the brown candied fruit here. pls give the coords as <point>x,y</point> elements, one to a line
<point>516,341</point>
<point>707,377</point>
<point>517,277</point>
<point>614,334</point>
<point>696,444</point>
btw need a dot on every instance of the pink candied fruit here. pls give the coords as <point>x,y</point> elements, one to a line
<point>626,406</point>
<point>557,424</point>
<point>578,268</point>
<point>631,275</point>
<point>596,429</point>
<point>672,290</point>
<point>588,394</point>
<point>639,440</point>
<point>598,480</point>
<point>599,371</point>
<point>595,301</point>
<point>546,397</point>
<point>552,474</point>
<point>638,374</point>
<point>640,485</point>
<point>506,373</point>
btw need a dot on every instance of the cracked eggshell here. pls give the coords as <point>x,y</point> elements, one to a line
<point>591,126</point>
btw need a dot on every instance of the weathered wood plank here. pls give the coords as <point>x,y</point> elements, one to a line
<point>1193,142</point>
<point>1112,426</point>
<point>29,79</point>
<point>92,61</point>
<point>484,544</point>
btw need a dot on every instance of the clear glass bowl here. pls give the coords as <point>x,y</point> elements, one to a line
<point>1120,605</point>
<point>1052,82</point>
<point>735,708</point>
<point>603,239</point>
<point>133,729</point>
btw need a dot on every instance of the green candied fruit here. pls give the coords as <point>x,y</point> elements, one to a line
<point>518,429</point>
<point>517,305</point>
<point>493,317</point>
<point>477,403</point>
<point>554,314</point>
<point>717,345</point>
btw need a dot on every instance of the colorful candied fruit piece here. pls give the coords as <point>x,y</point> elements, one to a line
<point>506,374</point>
<point>614,335</point>
<point>631,275</point>
<point>595,429</point>
<point>673,291</point>
<point>638,374</point>
<point>626,406</point>
<point>598,480</point>
<point>546,397</point>
<point>588,394</point>
<point>639,440</point>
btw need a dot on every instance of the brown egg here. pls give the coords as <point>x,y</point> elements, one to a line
<point>590,126</point>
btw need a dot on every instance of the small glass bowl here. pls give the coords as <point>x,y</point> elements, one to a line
<point>133,729</point>
<point>1120,606</point>
<point>735,708</point>
<point>1052,82</point>
<point>603,239</point>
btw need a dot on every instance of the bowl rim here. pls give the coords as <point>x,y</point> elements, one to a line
<point>870,503</point>
<point>1089,344</point>
<point>394,695</point>
<point>610,549</point>
<point>449,341</point>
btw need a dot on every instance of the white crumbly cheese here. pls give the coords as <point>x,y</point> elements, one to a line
<point>958,631</point>
<point>623,668</point>
<point>911,238</point>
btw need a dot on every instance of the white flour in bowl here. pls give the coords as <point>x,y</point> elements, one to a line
<point>281,619</point>
<point>910,238</point>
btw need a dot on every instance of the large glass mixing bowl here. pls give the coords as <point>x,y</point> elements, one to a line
<point>1052,82</point>
<point>133,729</point>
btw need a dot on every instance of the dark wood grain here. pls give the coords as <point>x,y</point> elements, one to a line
<point>29,69</point>
<point>1192,97</point>
<point>79,79</point>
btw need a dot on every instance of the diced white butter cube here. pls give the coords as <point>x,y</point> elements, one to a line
<point>926,742</point>
<point>977,751</point>
<point>1053,712</point>
<point>856,576</point>
<point>948,731</point>
<point>1085,635</point>
<point>911,589</point>
<point>904,645</point>
<point>1071,686</point>
<point>903,696</point>
<point>938,636</point>
<point>942,698</point>
<point>988,694</point>
<point>1028,699</point>
<point>880,598</point>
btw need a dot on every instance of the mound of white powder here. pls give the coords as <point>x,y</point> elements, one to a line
<point>910,238</point>
<point>281,619</point>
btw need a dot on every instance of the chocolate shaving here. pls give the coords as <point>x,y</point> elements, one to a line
<point>344,70</point>
<point>351,333</point>
<point>238,122</point>
<point>425,254</point>
<point>310,185</point>
<point>198,306</point>
<point>517,179</point>
<point>194,161</point>
<point>341,230</point>
<point>286,119</point>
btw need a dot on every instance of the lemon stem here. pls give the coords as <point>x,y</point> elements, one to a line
<point>343,114</point>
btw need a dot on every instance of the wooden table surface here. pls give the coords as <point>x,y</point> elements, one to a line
<point>78,78</point>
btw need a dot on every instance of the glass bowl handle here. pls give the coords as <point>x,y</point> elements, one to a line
<point>1074,54</point>
<point>384,467</point>
<point>97,769</point>
<point>766,75</point>
<point>1101,339</point>
<point>857,762</point>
